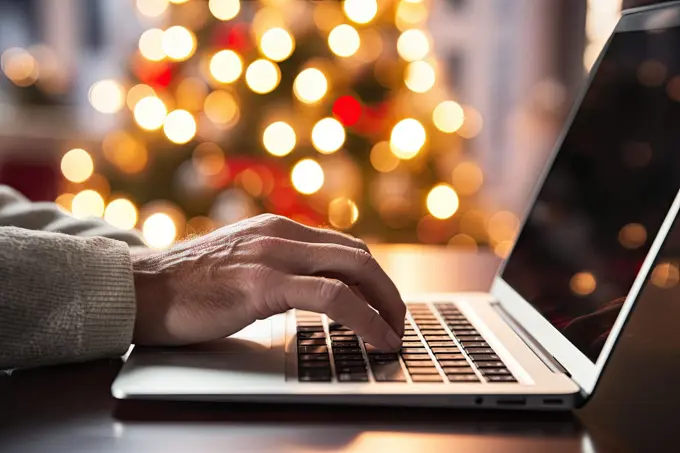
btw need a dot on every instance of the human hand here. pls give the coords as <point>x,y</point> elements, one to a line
<point>215,285</point>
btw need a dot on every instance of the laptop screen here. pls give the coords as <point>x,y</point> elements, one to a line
<point>607,192</point>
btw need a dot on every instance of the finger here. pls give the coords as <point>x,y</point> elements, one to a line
<point>353,266</point>
<point>286,228</point>
<point>335,299</point>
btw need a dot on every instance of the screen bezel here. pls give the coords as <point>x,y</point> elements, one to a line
<point>582,370</point>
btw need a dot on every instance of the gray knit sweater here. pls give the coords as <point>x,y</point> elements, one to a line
<point>66,285</point>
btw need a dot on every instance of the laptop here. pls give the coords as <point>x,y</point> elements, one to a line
<point>542,336</point>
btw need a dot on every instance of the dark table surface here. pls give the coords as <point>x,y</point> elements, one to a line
<point>69,408</point>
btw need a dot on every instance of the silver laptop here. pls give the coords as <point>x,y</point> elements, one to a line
<point>543,334</point>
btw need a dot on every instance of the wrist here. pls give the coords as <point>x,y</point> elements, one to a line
<point>152,296</point>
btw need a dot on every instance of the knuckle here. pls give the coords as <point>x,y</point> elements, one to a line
<point>365,259</point>
<point>330,291</point>
<point>360,244</point>
<point>275,223</point>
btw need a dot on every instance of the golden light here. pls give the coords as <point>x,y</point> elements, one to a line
<point>152,8</point>
<point>344,40</point>
<point>502,226</point>
<point>279,139</point>
<point>673,88</point>
<point>65,201</point>
<point>125,152</point>
<point>251,182</point>
<point>150,113</point>
<point>467,178</point>
<point>360,11</point>
<point>327,15</point>
<point>448,116</point>
<point>159,231</point>
<point>179,43</point>
<point>106,96</point>
<point>208,159</point>
<point>665,275</point>
<point>87,203</point>
<point>413,45</point>
<point>473,123</point>
<point>121,213</point>
<point>19,66</point>
<point>328,135</point>
<point>307,176</point>
<point>77,165</point>
<point>179,126</point>
<point>409,14</point>
<point>137,93</point>
<point>310,85</point>
<point>191,93</point>
<point>420,76</point>
<point>151,44</point>
<point>178,2</point>
<point>343,213</point>
<point>221,108</point>
<point>583,283</point>
<point>224,9</point>
<point>652,73</point>
<point>226,66</point>
<point>277,44</point>
<point>200,225</point>
<point>407,138</point>
<point>463,241</point>
<point>263,76</point>
<point>633,236</point>
<point>442,201</point>
<point>382,158</point>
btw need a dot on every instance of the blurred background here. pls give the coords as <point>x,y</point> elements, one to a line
<point>400,121</point>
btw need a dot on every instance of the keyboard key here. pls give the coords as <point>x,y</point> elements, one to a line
<point>310,329</point>
<point>388,372</point>
<point>484,357</point>
<point>444,344</point>
<point>501,378</point>
<point>495,371</point>
<point>314,365</point>
<point>469,337</point>
<point>449,356</point>
<point>353,377</point>
<point>463,332</point>
<point>433,330</point>
<point>494,364</point>
<point>416,357</point>
<point>463,378</point>
<point>479,351</point>
<point>411,344</point>
<point>462,370</point>
<point>418,364</point>
<point>383,356</point>
<point>411,338</point>
<point>310,335</point>
<point>454,363</point>
<point>334,326</point>
<point>414,350</point>
<point>449,350</point>
<point>429,378</point>
<point>312,342</point>
<point>343,350</point>
<point>348,356</point>
<point>351,370</point>
<point>317,349</point>
<point>437,337</point>
<point>475,344</point>
<point>313,357</point>
<point>421,370</point>
<point>349,363</point>
<point>341,338</point>
<point>314,376</point>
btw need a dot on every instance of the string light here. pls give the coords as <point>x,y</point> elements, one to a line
<point>87,203</point>
<point>178,43</point>
<point>344,40</point>
<point>407,138</point>
<point>279,139</point>
<point>413,45</point>
<point>442,201</point>
<point>65,201</point>
<point>224,9</point>
<point>342,213</point>
<point>633,236</point>
<point>159,231</point>
<point>307,176</point>
<point>409,14</point>
<point>420,76</point>
<point>467,178</point>
<point>583,283</point>
<point>277,44</point>
<point>208,159</point>
<point>150,113</point>
<point>463,241</point>
<point>137,93</point>
<point>226,66</point>
<point>448,116</point>
<point>152,8</point>
<point>178,2</point>
<point>77,165</point>
<point>221,108</point>
<point>106,96</point>
<point>328,135</point>
<point>473,123</point>
<point>19,66</point>
<point>263,76</point>
<point>310,85</point>
<point>382,158</point>
<point>665,275</point>
<point>360,11</point>
<point>121,213</point>
<point>179,126</point>
<point>502,226</point>
<point>125,152</point>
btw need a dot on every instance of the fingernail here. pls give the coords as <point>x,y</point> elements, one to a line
<point>393,340</point>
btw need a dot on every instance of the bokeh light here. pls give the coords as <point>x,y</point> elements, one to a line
<point>420,76</point>
<point>464,242</point>
<point>263,76</point>
<point>178,43</point>
<point>224,9</point>
<point>279,138</point>
<point>152,8</point>
<point>409,14</point>
<point>328,135</point>
<point>473,123</point>
<point>151,44</point>
<point>442,201</point>
<point>448,116</point>
<point>277,44</point>
<point>191,93</point>
<point>87,203</point>
<point>407,138</point>
<point>159,231</point>
<point>65,201</point>
<point>150,113</point>
<point>121,213</point>
<point>502,226</point>
<point>179,126</point>
<point>382,158</point>
<point>342,213</point>
<point>467,178</point>
<point>666,275</point>
<point>19,66</point>
<point>583,283</point>
<point>137,93</point>
<point>344,40</point>
<point>226,66</point>
<point>125,152</point>
<point>221,108</point>
<point>502,249</point>
<point>77,165</point>
<point>413,45</point>
<point>307,176</point>
<point>106,96</point>
<point>633,236</point>
<point>347,109</point>
<point>310,85</point>
<point>208,159</point>
<point>360,11</point>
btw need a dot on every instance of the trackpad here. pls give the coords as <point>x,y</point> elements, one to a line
<point>255,338</point>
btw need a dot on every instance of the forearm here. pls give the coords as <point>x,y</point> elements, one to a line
<point>63,298</point>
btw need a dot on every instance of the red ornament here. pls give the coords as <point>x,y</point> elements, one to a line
<point>155,74</point>
<point>347,110</point>
<point>235,37</point>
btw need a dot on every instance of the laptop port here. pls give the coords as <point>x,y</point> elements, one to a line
<point>511,402</point>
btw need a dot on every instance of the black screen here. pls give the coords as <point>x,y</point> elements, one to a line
<point>607,193</point>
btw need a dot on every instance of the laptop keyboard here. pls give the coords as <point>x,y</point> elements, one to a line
<point>440,345</point>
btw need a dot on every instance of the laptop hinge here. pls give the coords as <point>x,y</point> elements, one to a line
<point>530,341</point>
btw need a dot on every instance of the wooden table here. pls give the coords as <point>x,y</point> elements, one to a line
<point>69,408</point>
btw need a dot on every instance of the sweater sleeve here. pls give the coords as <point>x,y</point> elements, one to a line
<point>66,292</point>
